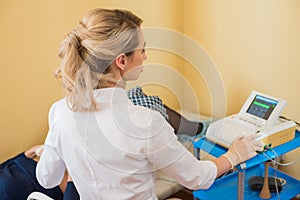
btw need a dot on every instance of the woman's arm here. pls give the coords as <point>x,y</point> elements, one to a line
<point>34,151</point>
<point>50,169</point>
<point>169,155</point>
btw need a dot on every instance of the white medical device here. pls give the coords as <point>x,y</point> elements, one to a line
<point>260,114</point>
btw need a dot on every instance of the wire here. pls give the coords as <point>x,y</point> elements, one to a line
<point>275,165</point>
<point>227,172</point>
<point>285,118</point>
<point>275,180</point>
<point>278,163</point>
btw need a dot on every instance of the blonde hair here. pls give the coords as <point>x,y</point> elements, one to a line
<point>88,51</point>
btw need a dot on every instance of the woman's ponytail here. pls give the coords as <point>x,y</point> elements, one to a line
<point>88,51</point>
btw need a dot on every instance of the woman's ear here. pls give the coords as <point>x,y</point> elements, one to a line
<point>121,61</point>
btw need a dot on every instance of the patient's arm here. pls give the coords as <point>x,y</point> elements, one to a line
<point>181,124</point>
<point>31,153</point>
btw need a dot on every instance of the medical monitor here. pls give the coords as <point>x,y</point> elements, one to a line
<point>262,109</point>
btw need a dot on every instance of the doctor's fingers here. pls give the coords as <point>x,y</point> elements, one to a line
<point>239,137</point>
<point>257,145</point>
<point>253,136</point>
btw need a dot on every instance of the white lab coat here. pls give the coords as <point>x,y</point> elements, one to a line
<point>113,153</point>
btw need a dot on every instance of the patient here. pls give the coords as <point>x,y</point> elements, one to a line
<point>17,175</point>
<point>180,124</point>
<point>18,179</point>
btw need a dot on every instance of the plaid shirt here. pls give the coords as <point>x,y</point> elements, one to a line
<point>138,97</point>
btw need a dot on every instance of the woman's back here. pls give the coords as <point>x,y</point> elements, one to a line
<point>106,152</point>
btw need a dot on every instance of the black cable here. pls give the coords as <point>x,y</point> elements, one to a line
<point>285,118</point>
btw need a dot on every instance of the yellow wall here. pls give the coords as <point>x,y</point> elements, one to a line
<point>254,44</point>
<point>31,32</point>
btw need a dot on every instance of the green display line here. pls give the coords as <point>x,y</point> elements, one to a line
<point>262,105</point>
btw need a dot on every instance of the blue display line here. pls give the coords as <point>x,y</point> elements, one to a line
<point>266,99</point>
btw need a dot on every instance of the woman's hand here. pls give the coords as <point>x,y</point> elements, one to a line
<point>243,148</point>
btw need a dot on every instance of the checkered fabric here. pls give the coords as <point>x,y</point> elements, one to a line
<point>138,97</point>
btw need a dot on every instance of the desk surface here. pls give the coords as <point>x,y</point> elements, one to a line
<point>217,150</point>
<point>227,186</point>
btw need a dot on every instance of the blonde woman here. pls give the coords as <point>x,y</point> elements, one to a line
<point>109,146</point>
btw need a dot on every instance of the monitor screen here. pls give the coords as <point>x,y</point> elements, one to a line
<point>262,107</point>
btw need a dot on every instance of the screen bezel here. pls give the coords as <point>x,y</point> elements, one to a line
<point>260,121</point>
